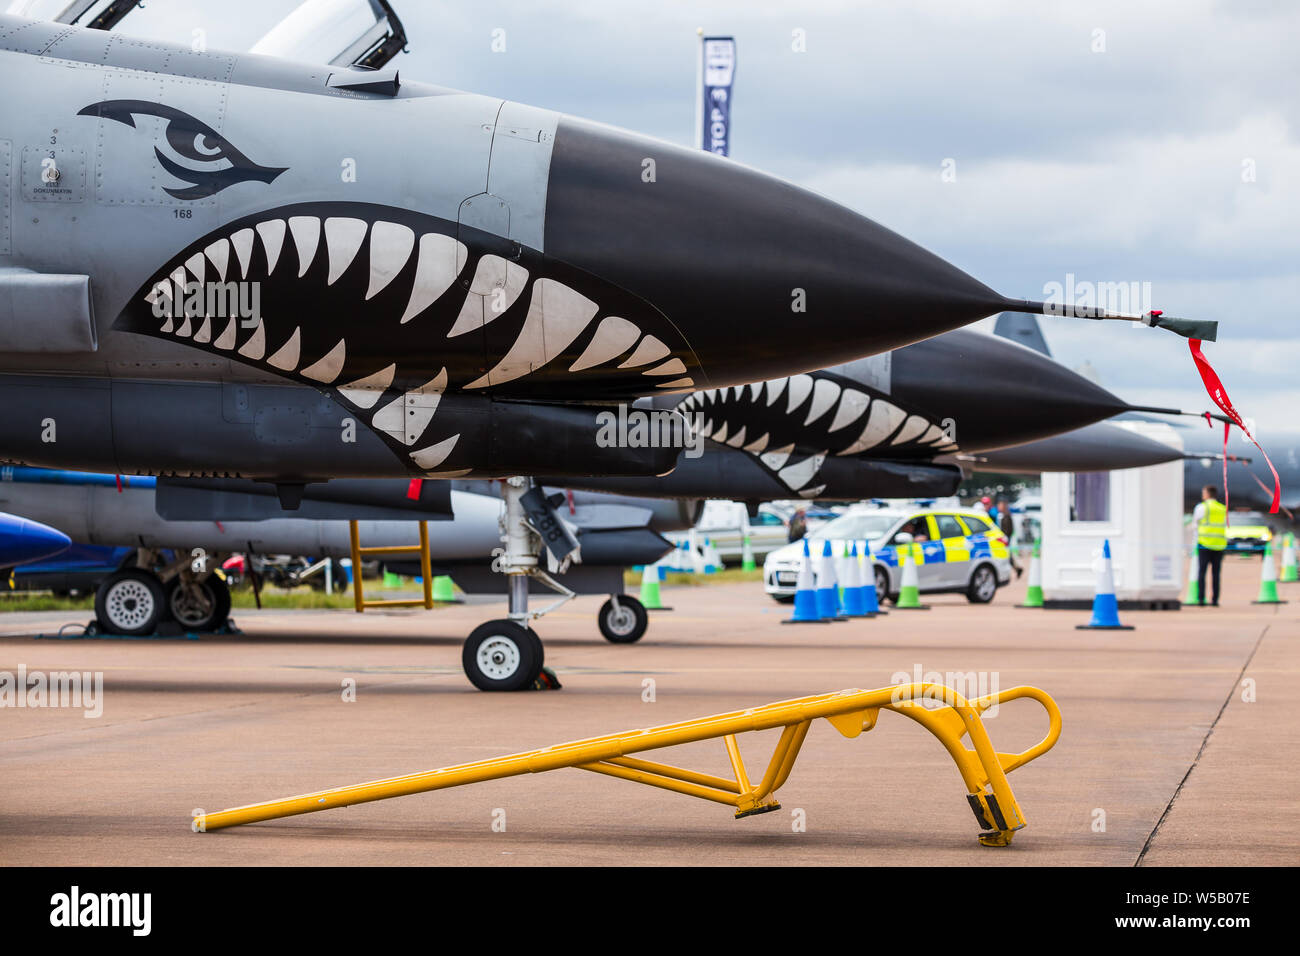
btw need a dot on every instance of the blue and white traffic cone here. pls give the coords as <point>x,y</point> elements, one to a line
<point>870,599</point>
<point>805,593</point>
<point>828,587</point>
<point>1105,609</point>
<point>855,601</point>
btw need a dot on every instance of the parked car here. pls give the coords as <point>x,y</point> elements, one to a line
<point>954,549</point>
<point>725,522</point>
<point>1248,537</point>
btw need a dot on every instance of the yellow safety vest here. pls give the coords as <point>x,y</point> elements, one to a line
<point>1212,532</point>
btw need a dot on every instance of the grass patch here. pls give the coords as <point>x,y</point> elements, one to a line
<point>43,601</point>
<point>632,579</point>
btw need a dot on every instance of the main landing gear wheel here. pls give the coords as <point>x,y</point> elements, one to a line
<point>199,605</point>
<point>623,622</point>
<point>129,602</point>
<point>502,655</point>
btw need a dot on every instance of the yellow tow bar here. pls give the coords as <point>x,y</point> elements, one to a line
<point>983,770</point>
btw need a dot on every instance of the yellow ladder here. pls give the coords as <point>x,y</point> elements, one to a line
<point>422,549</point>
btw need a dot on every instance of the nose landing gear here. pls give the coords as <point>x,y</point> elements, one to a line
<point>507,654</point>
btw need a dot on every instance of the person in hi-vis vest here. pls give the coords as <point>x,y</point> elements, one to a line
<point>1211,520</point>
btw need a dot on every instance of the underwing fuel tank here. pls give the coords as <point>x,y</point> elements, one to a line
<point>244,219</point>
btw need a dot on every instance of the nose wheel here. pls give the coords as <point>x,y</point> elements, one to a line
<point>623,619</point>
<point>502,655</point>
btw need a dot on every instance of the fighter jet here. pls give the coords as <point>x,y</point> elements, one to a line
<point>1249,482</point>
<point>217,263</point>
<point>177,544</point>
<point>903,424</point>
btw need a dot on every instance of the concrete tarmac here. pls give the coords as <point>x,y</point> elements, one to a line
<point>1180,746</point>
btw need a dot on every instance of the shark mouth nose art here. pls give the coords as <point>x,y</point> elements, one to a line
<point>820,413</point>
<point>389,310</point>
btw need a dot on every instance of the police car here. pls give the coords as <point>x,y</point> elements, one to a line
<point>954,550</point>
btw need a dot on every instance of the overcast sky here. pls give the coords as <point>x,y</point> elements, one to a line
<point>1118,141</point>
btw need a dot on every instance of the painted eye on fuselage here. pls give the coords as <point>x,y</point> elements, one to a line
<point>190,141</point>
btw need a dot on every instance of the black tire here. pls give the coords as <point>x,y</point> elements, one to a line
<point>130,602</point>
<point>783,598</point>
<point>882,587</point>
<point>203,606</point>
<point>625,624</point>
<point>502,655</point>
<point>983,585</point>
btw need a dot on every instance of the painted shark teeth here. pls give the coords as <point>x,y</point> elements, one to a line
<point>328,367</point>
<point>853,404</point>
<point>777,458</point>
<point>800,473</point>
<point>496,285</point>
<point>204,334</point>
<point>365,392</point>
<point>932,435</point>
<point>242,241</point>
<point>800,387</point>
<point>343,239</point>
<point>825,392</point>
<point>433,456</point>
<point>613,337</point>
<point>286,357</point>
<point>911,429</point>
<point>757,446</point>
<point>390,249</point>
<point>219,255</point>
<point>226,340</point>
<point>774,389</point>
<point>255,347</point>
<point>671,367</point>
<point>556,316</point>
<point>738,439</point>
<point>681,383</point>
<point>650,350</point>
<point>881,422</point>
<point>272,233</point>
<point>405,418</point>
<point>435,271</point>
<point>306,239</point>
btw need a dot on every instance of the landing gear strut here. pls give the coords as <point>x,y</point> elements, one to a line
<point>507,654</point>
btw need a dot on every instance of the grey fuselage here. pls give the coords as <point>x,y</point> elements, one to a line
<point>221,264</point>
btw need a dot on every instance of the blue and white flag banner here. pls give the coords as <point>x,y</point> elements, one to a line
<point>719,55</point>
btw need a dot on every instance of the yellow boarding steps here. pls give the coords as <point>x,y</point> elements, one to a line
<point>983,769</point>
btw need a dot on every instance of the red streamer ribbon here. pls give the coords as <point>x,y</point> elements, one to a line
<point>413,489</point>
<point>1214,388</point>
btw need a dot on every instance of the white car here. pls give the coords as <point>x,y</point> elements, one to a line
<point>724,523</point>
<point>955,550</point>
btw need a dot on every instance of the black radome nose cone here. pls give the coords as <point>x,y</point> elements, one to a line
<point>999,393</point>
<point>728,254</point>
<point>1102,446</point>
